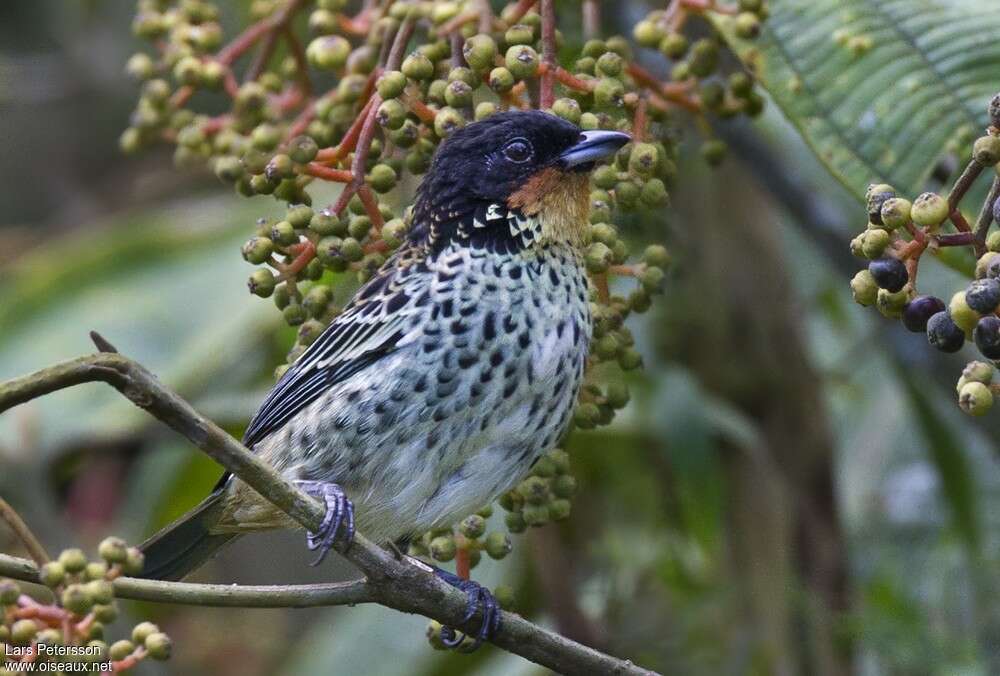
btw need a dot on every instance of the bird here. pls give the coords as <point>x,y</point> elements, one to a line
<point>449,373</point>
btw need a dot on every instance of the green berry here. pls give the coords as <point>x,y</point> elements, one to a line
<point>964,317</point>
<point>261,283</point>
<point>391,84</point>
<point>101,591</point>
<point>257,250</point>
<point>328,52</point>
<point>864,288</point>
<point>535,490</point>
<point>480,51</point>
<point>609,92</point>
<point>158,645</point>
<point>975,398</point>
<point>656,254</point>
<point>559,509</point>
<point>442,548</point>
<point>515,522</point>
<point>418,67</point>
<point>472,526</point>
<point>484,109</point>
<point>498,545</point>
<point>564,486</point>
<point>522,61</point>
<point>76,599</point>
<point>73,560</point>
<point>895,212</point>
<point>874,243</point>
<point>673,45</point>
<point>986,150</point>
<point>629,359</point>
<point>598,257</point>
<point>891,304</point>
<point>382,178</point>
<point>978,371</point>
<point>535,515</point>
<point>52,574</point>
<point>302,149</point>
<point>609,65</point>
<point>119,650</point>
<point>993,241</point>
<point>105,612</point>
<point>929,210</point>
<point>747,25</point>
<point>9,592</point>
<point>714,151</point>
<point>23,631</point>
<point>519,34</point>
<point>142,631</point>
<point>501,79</point>
<point>648,33</point>
<point>704,57</point>
<point>447,121</point>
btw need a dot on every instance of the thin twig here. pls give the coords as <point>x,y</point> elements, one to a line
<point>216,595</point>
<point>964,182</point>
<point>547,90</point>
<point>986,215</point>
<point>35,549</point>
<point>398,584</point>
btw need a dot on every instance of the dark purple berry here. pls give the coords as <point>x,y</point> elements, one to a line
<point>875,203</point>
<point>944,334</point>
<point>987,336</point>
<point>993,267</point>
<point>889,273</point>
<point>983,295</point>
<point>919,310</point>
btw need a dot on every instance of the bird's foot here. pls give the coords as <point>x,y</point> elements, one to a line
<point>339,512</point>
<point>479,599</point>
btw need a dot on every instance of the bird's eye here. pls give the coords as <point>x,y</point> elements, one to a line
<point>518,150</point>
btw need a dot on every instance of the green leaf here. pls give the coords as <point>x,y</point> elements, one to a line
<point>958,487</point>
<point>890,112</point>
<point>165,288</point>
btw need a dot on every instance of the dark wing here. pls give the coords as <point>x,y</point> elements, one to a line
<point>364,333</point>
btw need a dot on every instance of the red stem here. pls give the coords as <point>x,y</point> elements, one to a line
<point>547,92</point>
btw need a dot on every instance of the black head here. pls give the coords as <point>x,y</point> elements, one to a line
<point>489,161</point>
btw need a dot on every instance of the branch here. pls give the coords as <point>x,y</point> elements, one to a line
<point>21,530</point>
<point>217,595</point>
<point>391,582</point>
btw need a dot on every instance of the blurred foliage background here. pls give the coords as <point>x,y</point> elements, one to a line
<point>792,489</point>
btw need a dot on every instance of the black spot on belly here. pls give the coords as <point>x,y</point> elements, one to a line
<point>396,302</point>
<point>514,272</point>
<point>509,389</point>
<point>458,327</point>
<point>466,360</point>
<point>524,340</point>
<point>447,307</point>
<point>553,277</point>
<point>496,358</point>
<point>489,326</point>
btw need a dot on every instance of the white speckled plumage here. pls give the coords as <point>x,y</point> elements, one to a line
<point>481,382</point>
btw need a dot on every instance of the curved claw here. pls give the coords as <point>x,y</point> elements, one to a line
<point>339,510</point>
<point>479,599</point>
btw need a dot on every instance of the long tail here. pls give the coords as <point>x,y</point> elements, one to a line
<point>187,543</point>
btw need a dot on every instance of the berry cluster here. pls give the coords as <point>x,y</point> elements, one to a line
<point>400,77</point>
<point>364,99</point>
<point>84,604</point>
<point>899,232</point>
